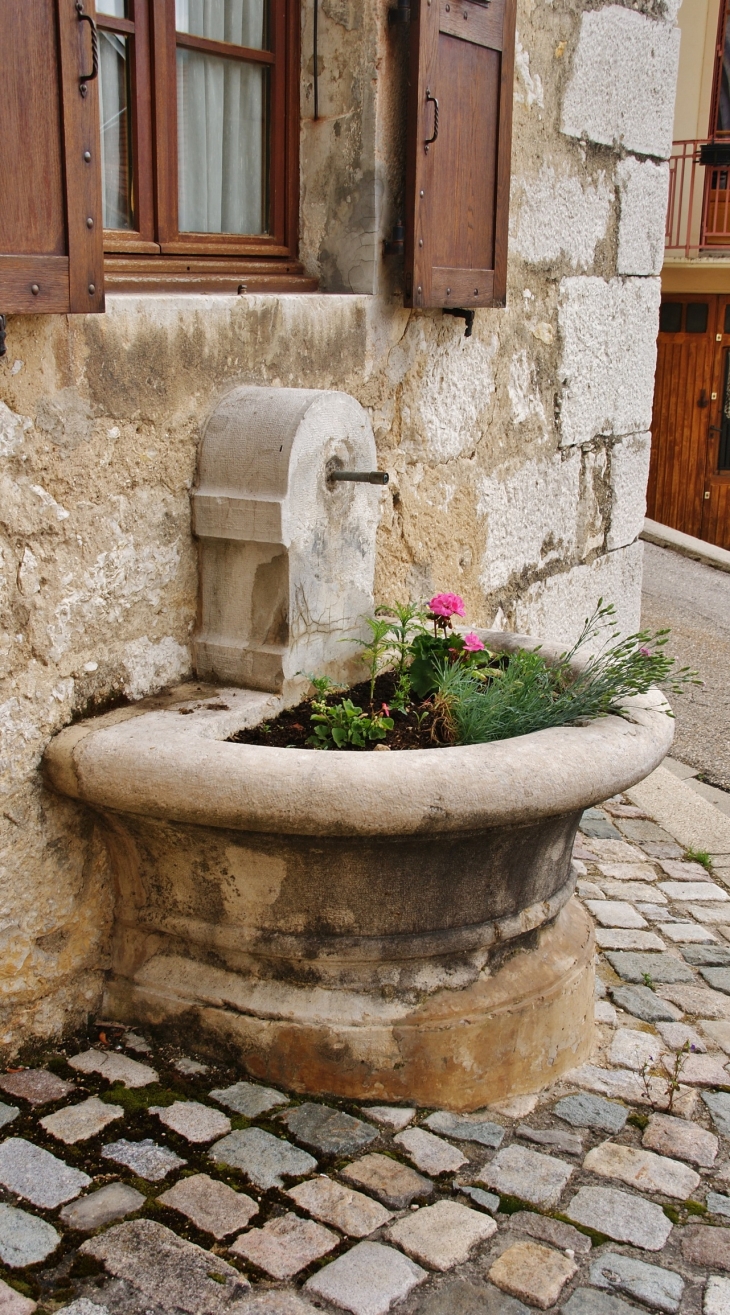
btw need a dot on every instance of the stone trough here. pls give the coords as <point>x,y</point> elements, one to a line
<point>387,926</point>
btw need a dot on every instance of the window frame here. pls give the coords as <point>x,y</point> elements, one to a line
<point>156,241</point>
<point>715,133</point>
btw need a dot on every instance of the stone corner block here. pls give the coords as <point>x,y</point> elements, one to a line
<point>643,188</point>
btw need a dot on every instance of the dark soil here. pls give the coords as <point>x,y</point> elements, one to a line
<point>292,728</point>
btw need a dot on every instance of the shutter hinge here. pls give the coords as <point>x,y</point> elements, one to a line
<point>467,315</point>
<point>395,245</point>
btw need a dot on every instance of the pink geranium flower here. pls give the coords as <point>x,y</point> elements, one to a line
<point>472,643</point>
<point>447,605</point>
<point>645,652</point>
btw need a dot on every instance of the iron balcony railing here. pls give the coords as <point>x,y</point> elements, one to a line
<point>698,213</point>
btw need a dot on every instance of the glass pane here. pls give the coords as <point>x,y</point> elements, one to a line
<point>116,155</point>
<point>222,142</point>
<point>241,21</point>
<point>670,317</point>
<point>117,8</point>
<point>696,320</point>
<point>723,91</point>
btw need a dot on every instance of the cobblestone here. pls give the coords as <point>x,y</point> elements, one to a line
<point>145,1158</point>
<point>285,1246</point>
<point>429,1153</point>
<point>327,1130</point>
<point>620,938</point>
<point>390,1116</point>
<point>466,1128</point>
<point>586,1111</point>
<point>660,1288</point>
<point>717,1296</point>
<point>266,1160</point>
<point>442,1235</point>
<point>195,1122</point>
<point>367,1280</point>
<point>557,1138</point>
<point>7,1113</point>
<point>14,1303</point>
<point>24,1239</point>
<point>592,1301</point>
<point>352,1212</point>
<point>708,1247</point>
<point>487,1200</point>
<point>631,1049</point>
<point>553,1231</point>
<point>114,1067</point>
<point>248,1099</point>
<point>717,1204</point>
<point>678,1035</point>
<point>683,933</point>
<point>718,1103</point>
<point>211,1205</point>
<point>165,1268</point>
<point>718,1032</point>
<point>642,1169</point>
<point>698,1070</point>
<point>707,956</point>
<point>634,967</point>
<point>533,1273</point>
<point>528,1175</point>
<point>642,1002</point>
<point>104,1206</point>
<point>680,1138</point>
<point>36,1086</point>
<point>393,1183</point>
<point>620,1216</point>
<point>694,890</point>
<point>79,1122</point>
<point>38,1176</point>
<point>615,913</point>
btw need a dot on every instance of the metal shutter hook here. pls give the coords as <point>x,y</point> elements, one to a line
<point>89,77</point>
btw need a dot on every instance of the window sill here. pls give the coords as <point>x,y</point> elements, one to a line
<point>179,274</point>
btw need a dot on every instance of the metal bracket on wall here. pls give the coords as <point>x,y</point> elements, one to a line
<point>396,244</point>
<point>467,315</point>
<point>3,328</point>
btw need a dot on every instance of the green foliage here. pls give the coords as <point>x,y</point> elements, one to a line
<point>432,653</point>
<point>135,1099</point>
<point>699,856</point>
<point>377,649</point>
<point>343,725</point>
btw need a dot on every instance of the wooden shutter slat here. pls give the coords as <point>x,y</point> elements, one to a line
<point>468,21</point>
<point>19,274</point>
<point>83,177</point>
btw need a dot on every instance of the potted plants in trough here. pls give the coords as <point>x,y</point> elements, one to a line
<point>369,894</point>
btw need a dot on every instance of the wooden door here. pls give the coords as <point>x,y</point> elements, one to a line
<point>716,492</point>
<point>683,411</point>
<point>458,152</point>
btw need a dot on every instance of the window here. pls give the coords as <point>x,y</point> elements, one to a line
<point>199,140</point>
<point>720,112</point>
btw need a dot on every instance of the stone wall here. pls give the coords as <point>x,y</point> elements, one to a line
<point>518,457</point>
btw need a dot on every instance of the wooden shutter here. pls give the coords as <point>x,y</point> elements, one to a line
<point>51,225</point>
<point>458,162</point>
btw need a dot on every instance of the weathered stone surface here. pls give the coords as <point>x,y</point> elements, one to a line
<point>716,915</point>
<point>273,1302</point>
<point>620,1216</point>
<point>390,1116</point>
<point>24,1239</point>
<point>516,1107</point>
<point>7,1113</point>
<point>615,913</point>
<point>212,1206</point>
<point>592,1301</point>
<point>84,1307</point>
<point>639,891</point>
<point>285,1245</point>
<point>392,1182</point>
<point>660,1288</point>
<point>190,1068</point>
<point>685,933</point>
<point>459,1296</point>
<point>263,1158</point>
<point>698,1070</point>
<point>620,51</point>
<point>327,1130</point>
<point>631,1049</point>
<point>14,1303</point>
<point>533,1273</point>
<point>558,1138</point>
<point>35,1085</point>
<point>145,1158</point>
<point>680,871</point>
<point>678,1035</point>
<point>114,1067</point>
<point>429,1153</point>
<point>604,1013</point>
<point>705,1246</point>
<point>38,1176</point>
<point>717,1204</point>
<point>643,1003</point>
<point>643,200</point>
<point>707,956</point>
<point>620,1082</point>
<point>352,1212</point>
<point>699,1000</point>
<point>367,1280</point>
<point>617,851</point>
<point>684,891</point>
<point>550,1230</point>
<point>718,1103</point>
<point>627,871</point>
<point>587,1111</point>
<point>717,978</point>
<point>466,1127</point>
<point>718,1032</point>
<point>528,1175</point>
<point>487,1200</point>
<point>102,1207</point>
<point>248,1099</point>
<point>195,1122</point>
<point>717,1296</point>
<point>442,1235</point>
<point>133,1041</point>
<point>642,1169</point>
<point>620,938</point>
<point>79,1122</point>
<point>680,1138</point>
<point>634,967</point>
<point>165,1268</point>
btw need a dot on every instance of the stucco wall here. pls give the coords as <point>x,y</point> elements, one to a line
<point>518,457</point>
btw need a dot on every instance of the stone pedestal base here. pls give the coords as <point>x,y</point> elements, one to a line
<point>504,1035</point>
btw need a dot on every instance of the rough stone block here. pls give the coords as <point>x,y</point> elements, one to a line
<point>587,1111</point>
<point>699,1070</point>
<point>392,1182</point>
<point>590,1301</point>
<point>608,357</point>
<point>79,1122</point>
<point>248,1099</point>
<point>615,913</point>
<point>643,1170</point>
<point>705,1246</point>
<point>622,938</point>
<point>429,1153</point>
<point>560,216</point>
<point>630,472</point>
<point>327,1130</point>
<point>556,608</point>
<point>533,1273</point>
<point>634,967</point>
<point>680,1138</point>
<point>285,1245</point>
<point>516,1171</point>
<point>24,1239</point>
<point>442,1235</point>
<point>352,1212</point>
<point>717,1296</point>
<point>7,1113</point>
<point>36,1085</point>
<point>605,1013</point>
<point>487,1200</point>
<point>390,1116</point>
<point>659,1288</point>
<point>367,1280</point>
<point>212,1206</point>
<point>642,189</point>
<point>466,1127</point>
<point>679,1035</point>
<point>718,1103</point>
<point>630,1049</point>
<point>620,1216</point>
<point>616,851</point>
<point>717,1204</point>
<point>685,933</point>
<point>646,896</point>
<point>195,1122</point>
<point>145,1158</point>
<point>627,871</point>
<point>557,1138</point>
<point>707,956</point>
<point>114,1067</point>
<point>717,978</point>
<point>621,92</point>
<point>263,1158</point>
<point>165,1268</point>
<point>679,870</point>
<point>554,1231</point>
<point>190,1068</point>
<point>702,891</point>
<point>460,1296</point>
<point>14,1303</point>
<point>718,1032</point>
<point>102,1207</point>
<point>38,1176</point>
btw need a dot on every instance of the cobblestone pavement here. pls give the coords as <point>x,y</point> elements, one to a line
<point>138,1180</point>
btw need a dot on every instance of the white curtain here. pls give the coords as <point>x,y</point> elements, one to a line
<point>222,110</point>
